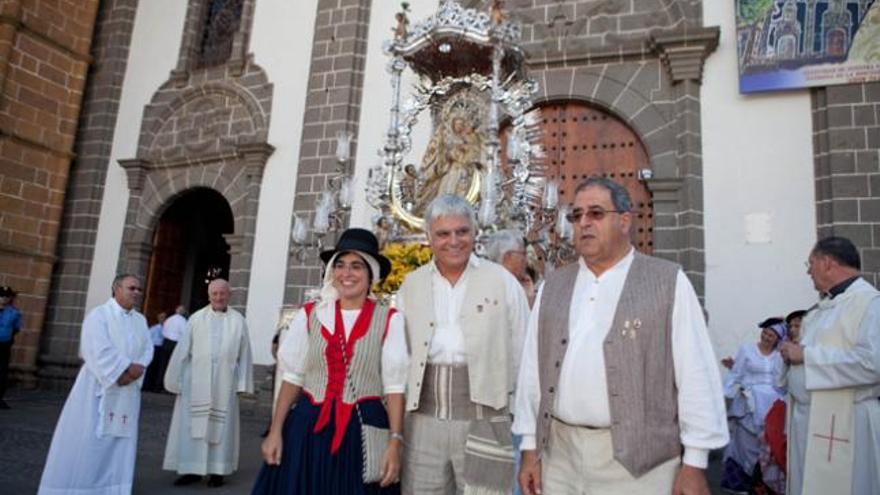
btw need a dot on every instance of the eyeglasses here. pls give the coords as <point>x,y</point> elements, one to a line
<point>595,214</point>
<point>134,288</point>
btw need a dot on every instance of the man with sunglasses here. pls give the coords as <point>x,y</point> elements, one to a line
<point>95,442</point>
<point>618,376</point>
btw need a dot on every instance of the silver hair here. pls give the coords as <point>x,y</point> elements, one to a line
<point>117,280</point>
<point>449,205</point>
<point>619,195</point>
<point>502,242</point>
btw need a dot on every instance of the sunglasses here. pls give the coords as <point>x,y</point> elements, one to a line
<point>595,214</point>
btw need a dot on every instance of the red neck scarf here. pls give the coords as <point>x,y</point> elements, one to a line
<point>336,370</point>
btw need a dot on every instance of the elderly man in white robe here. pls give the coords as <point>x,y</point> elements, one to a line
<point>95,442</point>
<point>834,380</point>
<point>210,365</point>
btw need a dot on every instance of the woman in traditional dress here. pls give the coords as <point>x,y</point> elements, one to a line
<point>751,387</point>
<point>340,355</point>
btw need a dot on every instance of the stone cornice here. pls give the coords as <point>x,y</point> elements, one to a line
<point>135,171</point>
<point>684,52</point>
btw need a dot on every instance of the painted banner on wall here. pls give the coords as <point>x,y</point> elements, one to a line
<point>787,44</point>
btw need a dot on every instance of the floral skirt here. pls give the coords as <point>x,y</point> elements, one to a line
<point>307,466</point>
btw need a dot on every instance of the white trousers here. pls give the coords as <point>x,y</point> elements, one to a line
<point>580,461</point>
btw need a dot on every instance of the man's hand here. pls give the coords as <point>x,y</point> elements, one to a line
<point>136,371</point>
<point>690,481</point>
<point>792,353</point>
<point>132,373</point>
<point>530,473</point>
<point>728,362</point>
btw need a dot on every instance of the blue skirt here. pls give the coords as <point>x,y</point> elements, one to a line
<point>307,466</point>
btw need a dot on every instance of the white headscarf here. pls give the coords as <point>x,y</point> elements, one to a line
<point>326,307</point>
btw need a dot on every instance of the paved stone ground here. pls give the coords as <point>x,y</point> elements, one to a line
<point>26,431</point>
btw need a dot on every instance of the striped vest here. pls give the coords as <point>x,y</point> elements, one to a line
<point>364,363</point>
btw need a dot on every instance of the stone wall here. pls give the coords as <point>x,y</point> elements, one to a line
<point>336,78</point>
<point>44,59</point>
<point>85,190</point>
<point>846,147</point>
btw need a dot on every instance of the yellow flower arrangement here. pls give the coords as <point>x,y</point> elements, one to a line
<point>405,257</point>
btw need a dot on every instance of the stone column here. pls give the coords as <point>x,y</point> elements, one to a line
<point>241,243</point>
<point>683,55</point>
<point>335,88</point>
<point>846,150</point>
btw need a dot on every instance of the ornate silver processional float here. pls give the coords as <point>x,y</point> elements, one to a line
<point>485,138</point>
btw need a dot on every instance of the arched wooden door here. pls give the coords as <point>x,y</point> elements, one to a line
<point>188,251</point>
<point>581,141</point>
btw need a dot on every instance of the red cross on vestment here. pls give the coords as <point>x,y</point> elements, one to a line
<point>831,438</point>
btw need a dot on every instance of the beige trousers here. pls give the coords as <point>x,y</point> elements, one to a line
<point>580,461</point>
<point>433,460</point>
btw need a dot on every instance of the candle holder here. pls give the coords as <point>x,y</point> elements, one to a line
<point>331,208</point>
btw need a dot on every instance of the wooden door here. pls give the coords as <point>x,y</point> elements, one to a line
<point>167,267</point>
<point>581,141</point>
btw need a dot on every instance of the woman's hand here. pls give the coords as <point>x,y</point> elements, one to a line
<point>391,463</point>
<point>272,448</point>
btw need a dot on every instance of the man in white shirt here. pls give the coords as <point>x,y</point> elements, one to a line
<point>175,325</point>
<point>94,447</point>
<point>465,318</point>
<point>172,328</point>
<point>618,374</point>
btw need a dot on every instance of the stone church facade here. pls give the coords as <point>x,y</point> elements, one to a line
<point>237,115</point>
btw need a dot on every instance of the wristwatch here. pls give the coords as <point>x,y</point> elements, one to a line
<point>397,436</point>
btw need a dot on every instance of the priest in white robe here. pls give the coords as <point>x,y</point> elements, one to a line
<point>834,380</point>
<point>95,442</point>
<point>210,365</point>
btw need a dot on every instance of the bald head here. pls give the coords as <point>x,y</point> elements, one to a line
<point>218,294</point>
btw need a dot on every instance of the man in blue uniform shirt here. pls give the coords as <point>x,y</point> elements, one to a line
<point>10,324</point>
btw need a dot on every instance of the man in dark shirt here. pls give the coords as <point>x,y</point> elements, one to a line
<point>10,324</point>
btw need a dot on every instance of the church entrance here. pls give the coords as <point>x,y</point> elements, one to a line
<point>188,251</point>
<point>580,141</point>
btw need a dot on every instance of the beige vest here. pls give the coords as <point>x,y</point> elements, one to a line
<point>486,328</point>
<point>638,361</point>
<point>365,369</point>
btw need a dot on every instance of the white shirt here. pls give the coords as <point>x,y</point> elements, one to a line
<point>395,355</point>
<point>447,344</point>
<point>702,418</point>
<point>174,327</point>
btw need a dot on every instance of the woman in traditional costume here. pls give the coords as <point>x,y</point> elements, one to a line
<point>331,433</point>
<point>752,388</point>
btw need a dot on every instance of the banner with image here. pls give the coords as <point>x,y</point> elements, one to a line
<point>788,44</point>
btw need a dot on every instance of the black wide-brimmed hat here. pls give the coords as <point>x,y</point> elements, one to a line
<point>359,240</point>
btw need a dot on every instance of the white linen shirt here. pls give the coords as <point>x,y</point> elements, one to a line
<point>447,343</point>
<point>395,356</point>
<point>701,409</point>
